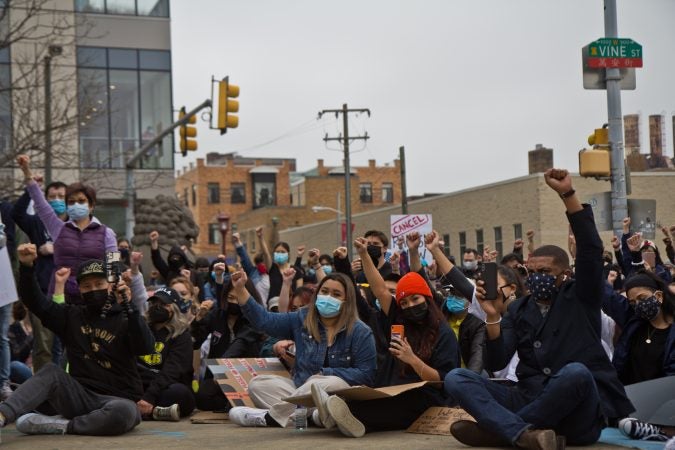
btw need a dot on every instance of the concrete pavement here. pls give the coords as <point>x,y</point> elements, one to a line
<point>184,435</point>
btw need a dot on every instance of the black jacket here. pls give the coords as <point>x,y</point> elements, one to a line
<point>170,363</point>
<point>38,235</point>
<point>101,352</point>
<point>570,331</point>
<point>472,342</point>
<point>245,343</point>
<point>169,271</point>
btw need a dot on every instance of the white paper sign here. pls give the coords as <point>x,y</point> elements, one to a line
<point>402,224</point>
<point>8,292</point>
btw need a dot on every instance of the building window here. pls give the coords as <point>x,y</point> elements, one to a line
<point>194,195</point>
<point>518,231</point>
<point>387,193</point>
<point>264,190</point>
<point>5,103</point>
<point>366,192</point>
<point>480,245</point>
<point>154,8</point>
<point>462,242</point>
<point>186,199</point>
<point>446,244</point>
<point>124,99</point>
<point>499,246</point>
<point>213,195</point>
<point>214,234</point>
<point>237,193</point>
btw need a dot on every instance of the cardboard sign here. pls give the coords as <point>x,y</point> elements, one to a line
<point>402,224</point>
<point>360,393</point>
<point>8,292</point>
<point>437,420</point>
<point>233,375</point>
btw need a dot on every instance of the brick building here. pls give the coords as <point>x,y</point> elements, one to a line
<point>497,214</point>
<point>231,184</point>
<point>319,194</point>
<point>269,192</point>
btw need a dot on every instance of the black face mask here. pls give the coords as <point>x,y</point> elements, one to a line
<point>95,300</point>
<point>374,252</point>
<point>202,278</point>
<point>157,314</point>
<point>233,309</point>
<point>175,264</point>
<point>415,313</point>
<point>124,253</point>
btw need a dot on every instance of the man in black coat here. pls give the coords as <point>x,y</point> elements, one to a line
<point>103,338</point>
<point>567,385</point>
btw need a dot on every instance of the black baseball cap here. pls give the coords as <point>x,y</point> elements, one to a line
<point>168,295</point>
<point>92,267</point>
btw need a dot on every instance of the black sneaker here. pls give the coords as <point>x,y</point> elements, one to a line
<point>636,429</point>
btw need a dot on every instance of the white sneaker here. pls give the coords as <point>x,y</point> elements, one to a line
<point>248,417</point>
<point>33,423</point>
<point>320,397</point>
<point>344,419</point>
<point>168,413</point>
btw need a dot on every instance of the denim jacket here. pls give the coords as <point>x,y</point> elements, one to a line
<point>352,356</point>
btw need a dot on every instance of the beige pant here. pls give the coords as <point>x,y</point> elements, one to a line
<point>266,392</point>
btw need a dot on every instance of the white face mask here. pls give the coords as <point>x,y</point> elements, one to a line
<point>470,265</point>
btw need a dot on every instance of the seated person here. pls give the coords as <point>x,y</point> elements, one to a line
<point>332,348</point>
<point>427,352</point>
<point>167,373</point>
<point>103,337</point>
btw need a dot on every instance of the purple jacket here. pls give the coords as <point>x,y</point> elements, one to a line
<point>72,246</point>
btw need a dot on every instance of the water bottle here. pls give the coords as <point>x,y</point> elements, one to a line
<point>300,418</point>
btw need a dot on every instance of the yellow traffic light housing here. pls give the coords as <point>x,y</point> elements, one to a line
<point>188,134</point>
<point>227,106</point>
<point>594,163</point>
<point>600,137</point>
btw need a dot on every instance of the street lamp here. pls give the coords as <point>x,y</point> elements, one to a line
<point>224,221</point>
<point>318,208</point>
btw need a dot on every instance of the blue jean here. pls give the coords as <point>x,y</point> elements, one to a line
<point>19,372</point>
<point>569,403</point>
<point>5,353</point>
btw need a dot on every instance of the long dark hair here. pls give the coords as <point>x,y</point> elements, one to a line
<point>668,304</point>
<point>512,277</point>
<point>422,337</point>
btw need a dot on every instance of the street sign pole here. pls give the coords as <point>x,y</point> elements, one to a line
<point>619,201</point>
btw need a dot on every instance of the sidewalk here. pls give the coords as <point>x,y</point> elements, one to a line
<point>184,435</point>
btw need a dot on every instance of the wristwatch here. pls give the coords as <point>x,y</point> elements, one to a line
<point>568,194</point>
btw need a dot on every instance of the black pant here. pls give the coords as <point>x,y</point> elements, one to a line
<point>178,393</point>
<point>396,413</point>
<point>89,413</point>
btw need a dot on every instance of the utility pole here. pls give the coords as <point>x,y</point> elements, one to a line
<point>617,157</point>
<point>404,187</point>
<point>345,138</point>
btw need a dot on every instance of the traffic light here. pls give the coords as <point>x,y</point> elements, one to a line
<point>595,162</point>
<point>226,106</point>
<point>187,133</point>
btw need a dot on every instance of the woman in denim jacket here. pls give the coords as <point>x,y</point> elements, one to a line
<point>333,349</point>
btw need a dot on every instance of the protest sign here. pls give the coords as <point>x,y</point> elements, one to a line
<point>233,375</point>
<point>437,420</point>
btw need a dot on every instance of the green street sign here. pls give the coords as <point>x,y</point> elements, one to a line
<point>614,53</point>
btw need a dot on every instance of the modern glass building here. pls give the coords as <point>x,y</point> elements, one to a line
<point>109,64</point>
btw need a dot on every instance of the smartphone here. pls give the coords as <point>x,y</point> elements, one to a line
<point>649,258</point>
<point>290,351</point>
<point>397,331</point>
<point>490,280</point>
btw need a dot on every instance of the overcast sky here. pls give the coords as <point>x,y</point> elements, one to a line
<point>468,86</point>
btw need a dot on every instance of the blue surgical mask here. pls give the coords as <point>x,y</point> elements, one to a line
<point>455,304</point>
<point>78,211</point>
<point>327,269</point>
<point>59,206</point>
<point>327,306</point>
<point>280,258</point>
